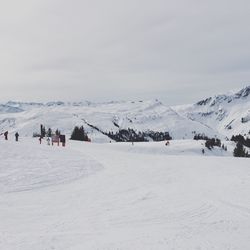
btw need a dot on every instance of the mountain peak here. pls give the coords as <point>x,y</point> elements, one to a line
<point>218,99</point>
<point>245,92</point>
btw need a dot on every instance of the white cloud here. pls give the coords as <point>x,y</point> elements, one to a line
<point>117,49</point>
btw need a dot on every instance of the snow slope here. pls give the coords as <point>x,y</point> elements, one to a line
<point>31,166</point>
<point>221,116</point>
<point>141,116</point>
<point>118,196</point>
<point>228,114</point>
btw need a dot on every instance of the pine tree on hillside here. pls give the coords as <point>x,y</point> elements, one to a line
<point>58,132</point>
<point>49,132</point>
<point>79,134</point>
<point>43,130</point>
<point>239,151</point>
<point>240,138</point>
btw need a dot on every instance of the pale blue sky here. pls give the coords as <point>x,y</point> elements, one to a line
<point>177,51</point>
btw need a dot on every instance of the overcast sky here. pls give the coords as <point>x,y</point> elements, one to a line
<point>177,51</point>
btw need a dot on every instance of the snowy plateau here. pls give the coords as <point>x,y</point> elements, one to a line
<point>119,195</point>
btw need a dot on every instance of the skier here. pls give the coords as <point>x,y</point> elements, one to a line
<point>16,135</point>
<point>6,135</point>
<point>40,139</point>
<point>48,141</point>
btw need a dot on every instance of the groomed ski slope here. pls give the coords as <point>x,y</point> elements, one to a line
<point>119,196</point>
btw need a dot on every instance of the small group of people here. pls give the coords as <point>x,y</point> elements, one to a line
<point>48,140</point>
<point>6,133</point>
<point>54,139</point>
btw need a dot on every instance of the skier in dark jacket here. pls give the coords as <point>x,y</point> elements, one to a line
<point>16,135</point>
<point>6,135</point>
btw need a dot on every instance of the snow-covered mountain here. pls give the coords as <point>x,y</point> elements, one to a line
<point>5,108</point>
<point>222,115</point>
<point>227,114</point>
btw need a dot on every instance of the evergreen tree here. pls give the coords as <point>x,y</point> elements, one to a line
<point>58,132</point>
<point>239,151</point>
<point>79,134</point>
<point>210,143</point>
<point>241,139</point>
<point>43,130</point>
<point>49,132</point>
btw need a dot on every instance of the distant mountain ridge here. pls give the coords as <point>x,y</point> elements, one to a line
<point>242,94</point>
<point>221,116</point>
<point>228,114</point>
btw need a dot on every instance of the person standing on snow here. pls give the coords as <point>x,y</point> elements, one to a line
<point>16,135</point>
<point>6,135</point>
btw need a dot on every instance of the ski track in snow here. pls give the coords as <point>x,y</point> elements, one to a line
<point>119,196</point>
<point>37,166</point>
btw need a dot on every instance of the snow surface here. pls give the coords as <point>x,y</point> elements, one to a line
<point>122,196</point>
